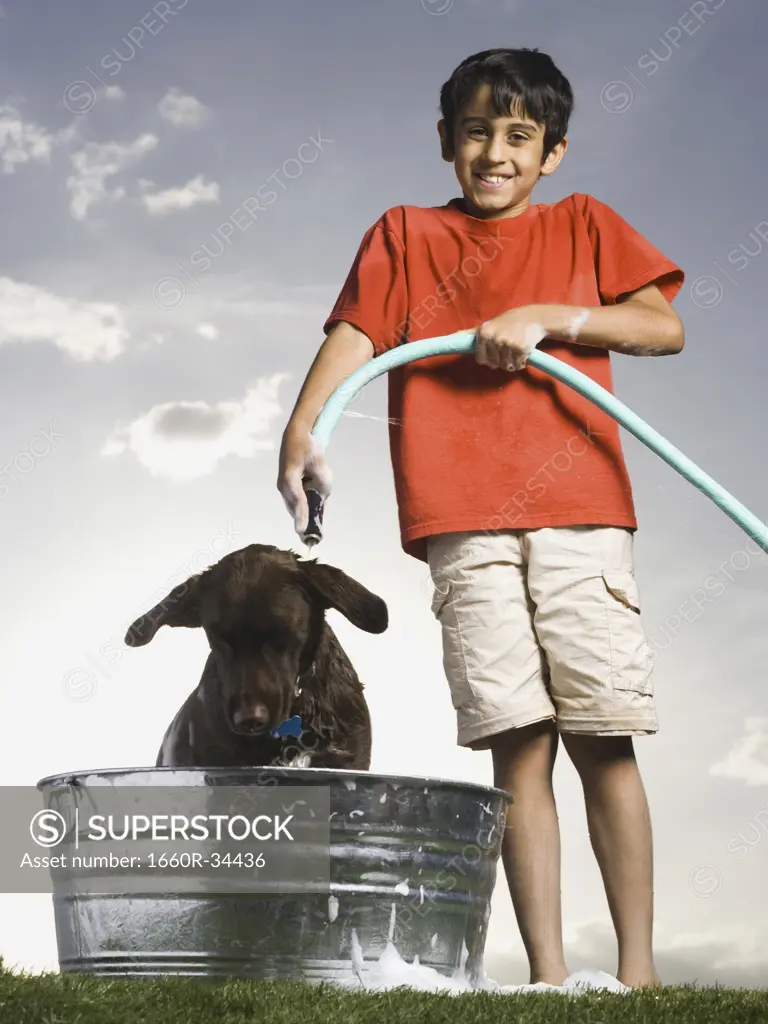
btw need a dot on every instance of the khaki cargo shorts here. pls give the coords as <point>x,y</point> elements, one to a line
<point>542,624</point>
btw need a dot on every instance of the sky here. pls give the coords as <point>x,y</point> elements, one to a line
<point>155,328</point>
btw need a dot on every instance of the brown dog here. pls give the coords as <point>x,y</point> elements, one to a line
<point>273,656</point>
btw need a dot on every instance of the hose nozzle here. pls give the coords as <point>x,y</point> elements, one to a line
<point>314,531</point>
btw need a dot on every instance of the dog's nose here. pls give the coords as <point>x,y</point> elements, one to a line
<point>253,718</point>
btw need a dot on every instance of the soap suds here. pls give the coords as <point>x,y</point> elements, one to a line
<point>390,971</point>
<point>300,761</point>
<point>577,323</point>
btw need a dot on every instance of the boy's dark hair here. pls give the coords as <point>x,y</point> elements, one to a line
<point>524,75</point>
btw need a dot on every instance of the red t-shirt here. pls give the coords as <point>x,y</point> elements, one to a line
<point>475,448</point>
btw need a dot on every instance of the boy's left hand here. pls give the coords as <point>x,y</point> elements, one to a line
<point>506,341</point>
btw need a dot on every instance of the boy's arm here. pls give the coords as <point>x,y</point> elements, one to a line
<point>345,350</point>
<point>363,322</point>
<point>640,323</point>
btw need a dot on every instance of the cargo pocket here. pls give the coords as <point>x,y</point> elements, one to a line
<point>440,593</point>
<point>631,661</point>
<point>446,609</point>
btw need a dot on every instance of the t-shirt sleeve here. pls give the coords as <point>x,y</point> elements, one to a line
<point>374,295</point>
<point>624,259</point>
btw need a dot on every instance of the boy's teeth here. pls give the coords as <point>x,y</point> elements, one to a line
<point>495,178</point>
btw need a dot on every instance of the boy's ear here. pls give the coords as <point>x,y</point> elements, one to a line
<point>553,160</point>
<point>446,144</point>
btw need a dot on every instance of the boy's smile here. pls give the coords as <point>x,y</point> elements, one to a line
<point>497,160</point>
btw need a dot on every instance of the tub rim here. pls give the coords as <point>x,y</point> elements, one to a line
<point>65,778</point>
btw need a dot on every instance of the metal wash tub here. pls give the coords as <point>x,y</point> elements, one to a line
<point>413,860</point>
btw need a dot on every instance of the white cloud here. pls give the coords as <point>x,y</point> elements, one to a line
<point>726,955</point>
<point>97,162</point>
<point>113,92</point>
<point>183,197</point>
<point>183,441</point>
<point>208,331</point>
<point>748,760</point>
<point>84,330</point>
<point>182,109</point>
<point>22,141</point>
<point>155,338</point>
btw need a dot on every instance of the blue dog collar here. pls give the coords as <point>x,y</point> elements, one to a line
<point>290,727</point>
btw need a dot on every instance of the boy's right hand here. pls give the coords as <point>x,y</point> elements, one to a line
<point>302,465</point>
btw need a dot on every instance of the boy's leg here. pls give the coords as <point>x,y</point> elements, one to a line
<point>588,622</point>
<point>620,832</point>
<point>496,673</point>
<point>523,761</point>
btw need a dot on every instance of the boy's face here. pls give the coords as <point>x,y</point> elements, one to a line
<point>497,159</point>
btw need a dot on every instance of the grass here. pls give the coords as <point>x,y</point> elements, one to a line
<point>70,999</point>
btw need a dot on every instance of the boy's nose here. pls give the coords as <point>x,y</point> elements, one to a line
<point>494,151</point>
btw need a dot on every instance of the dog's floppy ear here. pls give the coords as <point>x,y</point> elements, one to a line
<point>180,607</point>
<point>335,589</point>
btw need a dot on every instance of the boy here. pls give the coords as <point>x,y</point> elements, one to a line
<point>511,485</point>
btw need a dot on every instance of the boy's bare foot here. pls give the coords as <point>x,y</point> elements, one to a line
<point>549,975</point>
<point>640,978</point>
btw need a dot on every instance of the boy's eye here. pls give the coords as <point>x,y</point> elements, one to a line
<point>515,136</point>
